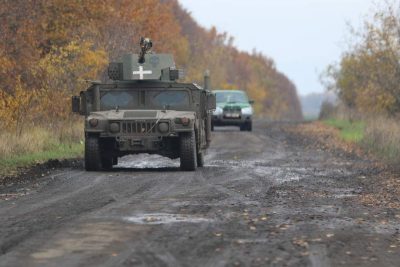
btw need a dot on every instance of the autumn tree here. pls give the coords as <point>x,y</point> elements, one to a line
<point>49,47</point>
<point>368,76</point>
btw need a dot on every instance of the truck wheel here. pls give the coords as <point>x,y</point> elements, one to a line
<point>107,162</point>
<point>243,127</point>
<point>250,126</point>
<point>92,154</point>
<point>115,161</point>
<point>200,159</point>
<point>188,155</point>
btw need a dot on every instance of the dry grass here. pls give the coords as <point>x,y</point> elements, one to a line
<point>378,135</point>
<point>382,137</point>
<point>38,144</point>
<point>38,139</point>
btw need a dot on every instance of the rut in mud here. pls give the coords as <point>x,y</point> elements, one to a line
<point>263,198</point>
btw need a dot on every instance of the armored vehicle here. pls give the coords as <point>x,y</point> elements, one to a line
<point>145,110</point>
<point>233,109</point>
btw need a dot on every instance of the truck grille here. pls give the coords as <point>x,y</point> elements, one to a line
<point>134,127</point>
<point>232,112</point>
<point>233,109</point>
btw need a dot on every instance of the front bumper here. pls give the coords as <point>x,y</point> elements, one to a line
<point>220,120</point>
<point>139,144</point>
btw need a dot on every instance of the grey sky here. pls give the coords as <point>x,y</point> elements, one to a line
<point>302,36</point>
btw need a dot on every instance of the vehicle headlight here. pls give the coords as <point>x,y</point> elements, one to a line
<point>93,122</point>
<point>163,127</point>
<point>218,111</point>
<point>114,127</point>
<point>247,111</point>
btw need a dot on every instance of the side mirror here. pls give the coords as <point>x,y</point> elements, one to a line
<point>76,104</point>
<point>211,102</point>
<point>251,102</point>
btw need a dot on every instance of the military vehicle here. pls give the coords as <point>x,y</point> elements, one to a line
<point>145,110</point>
<point>233,109</point>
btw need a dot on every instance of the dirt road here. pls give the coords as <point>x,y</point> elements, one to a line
<point>264,199</point>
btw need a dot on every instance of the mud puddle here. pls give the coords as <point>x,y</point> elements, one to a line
<point>146,161</point>
<point>165,218</point>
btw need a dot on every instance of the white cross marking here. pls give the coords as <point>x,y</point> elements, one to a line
<point>142,72</point>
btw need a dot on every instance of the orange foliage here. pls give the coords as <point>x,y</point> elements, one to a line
<point>52,46</point>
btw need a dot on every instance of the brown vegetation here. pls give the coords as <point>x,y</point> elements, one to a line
<point>367,81</point>
<point>49,48</point>
<point>368,76</point>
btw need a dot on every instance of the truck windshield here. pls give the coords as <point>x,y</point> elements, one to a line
<point>168,99</point>
<point>155,99</point>
<point>120,99</point>
<point>231,97</point>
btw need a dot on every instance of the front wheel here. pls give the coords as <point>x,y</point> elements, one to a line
<point>92,154</point>
<point>188,155</point>
<point>200,159</point>
<point>250,126</point>
<point>107,163</point>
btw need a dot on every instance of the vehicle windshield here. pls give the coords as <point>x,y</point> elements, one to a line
<point>155,99</point>
<point>231,97</point>
<point>169,99</point>
<point>121,99</point>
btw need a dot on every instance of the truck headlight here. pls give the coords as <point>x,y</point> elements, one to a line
<point>218,111</point>
<point>114,127</point>
<point>247,111</point>
<point>163,127</point>
<point>93,122</point>
<point>184,121</point>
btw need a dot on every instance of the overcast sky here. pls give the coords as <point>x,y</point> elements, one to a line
<point>302,36</point>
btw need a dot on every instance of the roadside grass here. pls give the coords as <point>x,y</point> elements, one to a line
<point>383,138</point>
<point>38,145</point>
<point>378,135</point>
<point>349,131</point>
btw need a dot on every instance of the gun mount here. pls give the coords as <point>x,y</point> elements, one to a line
<point>145,46</point>
<point>144,66</point>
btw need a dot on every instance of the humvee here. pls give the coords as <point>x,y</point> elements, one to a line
<point>145,110</point>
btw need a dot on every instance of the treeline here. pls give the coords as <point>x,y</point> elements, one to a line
<point>367,78</point>
<point>49,48</point>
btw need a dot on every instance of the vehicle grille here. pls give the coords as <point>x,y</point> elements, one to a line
<point>232,109</point>
<point>135,127</point>
<point>232,112</point>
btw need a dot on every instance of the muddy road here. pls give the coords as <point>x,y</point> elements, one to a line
<point>265,198</point>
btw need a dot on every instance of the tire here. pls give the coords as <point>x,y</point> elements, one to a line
<point>115,161</point>
<point>212,127</point>
<point>188,155</point>
<point>107,163</point>
<point>92,154</point>
<point>243,127</point>
<point>200,159</point>
<point>250,126</point>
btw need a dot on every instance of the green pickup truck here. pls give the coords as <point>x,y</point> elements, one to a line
<point>233,109</point>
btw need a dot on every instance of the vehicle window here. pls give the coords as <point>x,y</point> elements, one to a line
<point>231,97</point>
<point>171,99</point>
<point>121,99</point>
